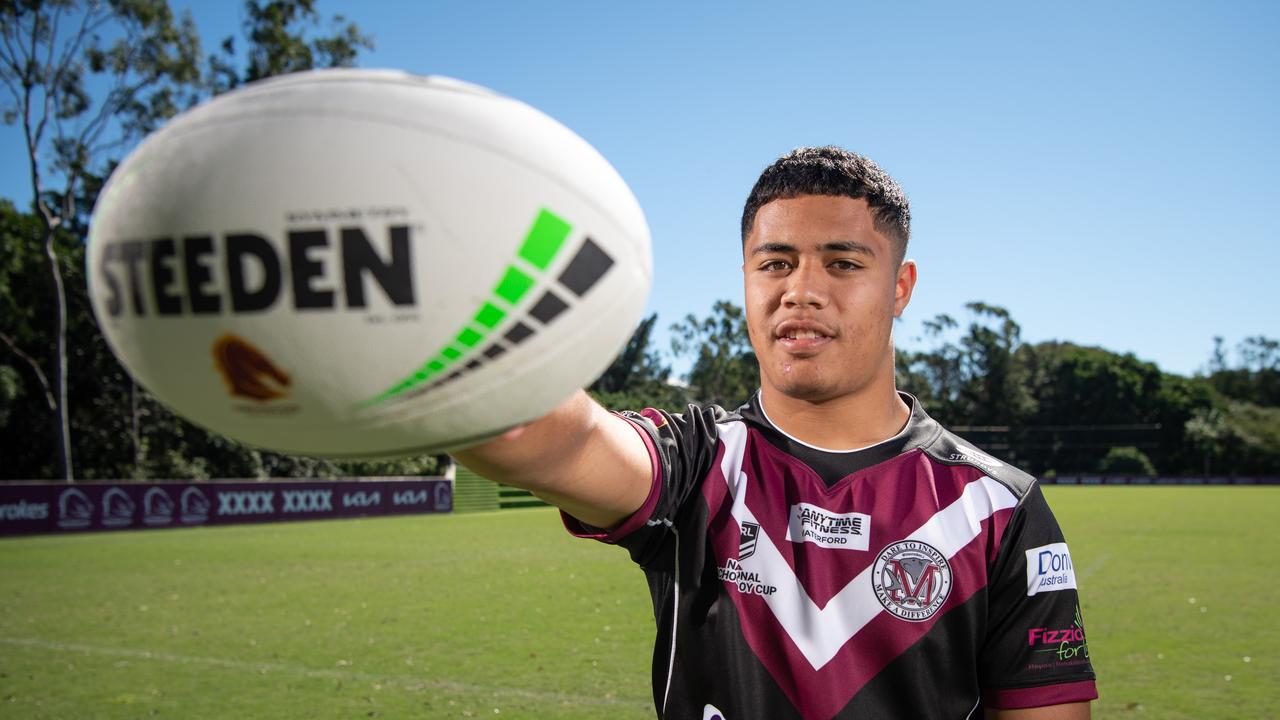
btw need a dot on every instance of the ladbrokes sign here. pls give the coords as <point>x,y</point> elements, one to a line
<point>45,508</point>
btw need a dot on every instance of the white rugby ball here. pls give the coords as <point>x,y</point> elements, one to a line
<point>350,263</point>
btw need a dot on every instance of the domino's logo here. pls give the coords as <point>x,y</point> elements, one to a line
<point>1049,569</point>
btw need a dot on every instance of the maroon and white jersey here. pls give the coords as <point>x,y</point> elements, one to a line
<point>917,578</point>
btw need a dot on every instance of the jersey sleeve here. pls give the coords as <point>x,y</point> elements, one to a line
<point>1035,652</point>
<point>682,448</point>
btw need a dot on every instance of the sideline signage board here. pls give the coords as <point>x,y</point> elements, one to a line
<point>28,508</point>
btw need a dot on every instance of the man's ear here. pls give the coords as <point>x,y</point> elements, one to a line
<point>904,286</point>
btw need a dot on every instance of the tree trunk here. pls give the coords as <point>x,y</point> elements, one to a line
<point>60,358</point>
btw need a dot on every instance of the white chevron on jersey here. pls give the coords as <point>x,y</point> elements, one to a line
<point>820,632</point>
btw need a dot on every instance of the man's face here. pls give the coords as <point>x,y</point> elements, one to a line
<point>822,288</point>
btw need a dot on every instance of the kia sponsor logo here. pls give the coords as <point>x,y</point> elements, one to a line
<point>1049,569</point>
<point>246,502</point>
<point>361,499</point>
<point>307,501</point>
<point>23,510</point>
<point>410,497</point>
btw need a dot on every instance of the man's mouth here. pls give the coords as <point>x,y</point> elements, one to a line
<point>802,337</point>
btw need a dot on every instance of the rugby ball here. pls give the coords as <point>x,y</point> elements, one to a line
<point>365,263</point>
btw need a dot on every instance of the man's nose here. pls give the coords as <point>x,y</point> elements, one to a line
<point>806,286</point>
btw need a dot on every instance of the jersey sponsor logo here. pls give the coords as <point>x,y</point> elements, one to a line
<point>23,510</point>
<point>1055,647</point>
<point>844,531</point>
<point>747,536</point>
<point>1049,569</point>
<point>911,579</point>
<point>746,581</point>
<point>964,453</point>
<point>711,712</point>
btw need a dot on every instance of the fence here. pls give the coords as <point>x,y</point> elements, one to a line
<point>27,508</point>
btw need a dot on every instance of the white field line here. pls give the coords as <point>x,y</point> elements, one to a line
<point>1093,567</point>
<point>262,668</point>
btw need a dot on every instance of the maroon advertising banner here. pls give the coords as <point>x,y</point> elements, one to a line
<point>48,508</point>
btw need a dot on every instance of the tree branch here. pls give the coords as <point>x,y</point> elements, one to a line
<point>35,367</point>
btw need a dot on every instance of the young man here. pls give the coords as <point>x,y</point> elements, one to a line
<point>827,550</point>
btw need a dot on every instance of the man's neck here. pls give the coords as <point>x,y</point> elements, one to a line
<point>845,423</point>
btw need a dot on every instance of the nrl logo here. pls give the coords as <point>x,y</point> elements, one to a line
<point>912,580</point>
<point>747,537</point>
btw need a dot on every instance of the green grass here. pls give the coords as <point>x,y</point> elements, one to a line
<point>1179,586</point>
<point>504,615</point>
<point>481,615</point>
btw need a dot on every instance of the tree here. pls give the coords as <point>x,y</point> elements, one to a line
<point>280,42</point>
<point>1255,377</point>
<point>53,54</point>
<point>1126,460</point>
<point>638,377</point>
<point>85,80</point>
<point>725,370</point>
<point>976,380</point>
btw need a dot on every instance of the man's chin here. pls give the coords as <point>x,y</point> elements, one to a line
<point>808,389</point>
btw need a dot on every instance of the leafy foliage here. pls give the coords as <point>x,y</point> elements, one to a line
<point>725,371</point>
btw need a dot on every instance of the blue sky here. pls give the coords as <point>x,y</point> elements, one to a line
<point>1109,172</point>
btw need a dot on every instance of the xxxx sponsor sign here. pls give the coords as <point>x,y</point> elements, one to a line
<point>48,508</point>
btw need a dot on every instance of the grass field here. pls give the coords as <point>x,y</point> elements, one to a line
<point>503,615</point>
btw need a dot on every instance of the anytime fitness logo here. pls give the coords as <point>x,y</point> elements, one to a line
<point>844,531</point>
<point>911,579</point>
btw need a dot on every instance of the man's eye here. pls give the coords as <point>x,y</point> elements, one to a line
<point>774,265</point>
<point>845,265</point>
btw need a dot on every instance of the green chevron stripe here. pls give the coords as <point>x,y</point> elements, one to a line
<point>542,244</point>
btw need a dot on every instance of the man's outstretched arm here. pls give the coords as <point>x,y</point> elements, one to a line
<point>579,457</point>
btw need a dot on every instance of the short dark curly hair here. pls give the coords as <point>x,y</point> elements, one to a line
<point>831,170</point>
